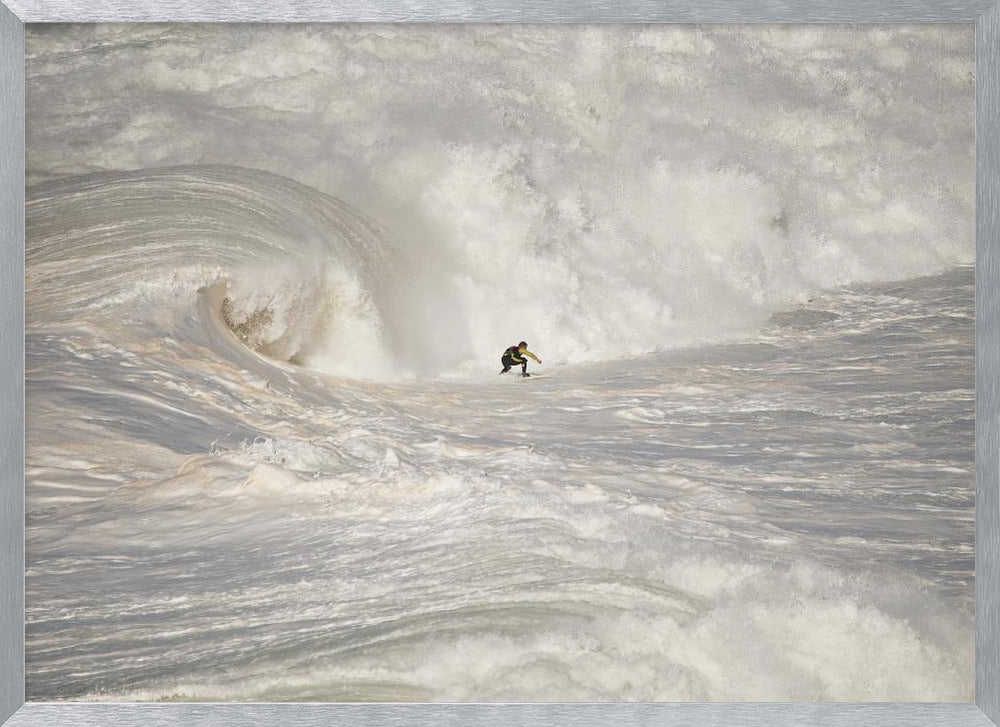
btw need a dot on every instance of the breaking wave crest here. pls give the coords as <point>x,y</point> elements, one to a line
<point>307,279</point>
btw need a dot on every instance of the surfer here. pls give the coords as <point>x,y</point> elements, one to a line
<point>515,355</point>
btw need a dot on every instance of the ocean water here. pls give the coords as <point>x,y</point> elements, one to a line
<point>269,275</point>
<point>208,522</point>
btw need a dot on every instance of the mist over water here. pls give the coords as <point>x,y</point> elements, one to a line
<point>603,191</point>
<point>270,271</point>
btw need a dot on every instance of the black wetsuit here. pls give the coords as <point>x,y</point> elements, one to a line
<point>512,357</point>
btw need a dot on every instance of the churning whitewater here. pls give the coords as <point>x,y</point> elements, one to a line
<point>268,454</point>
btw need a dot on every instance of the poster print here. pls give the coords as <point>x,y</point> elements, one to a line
<point>279,441</point>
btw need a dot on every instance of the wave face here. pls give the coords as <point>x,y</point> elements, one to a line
<point>598,192</point>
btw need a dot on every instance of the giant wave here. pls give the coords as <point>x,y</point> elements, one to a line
<point>302,277</point>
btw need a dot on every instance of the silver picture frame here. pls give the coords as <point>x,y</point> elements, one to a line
<point>985,14</point>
